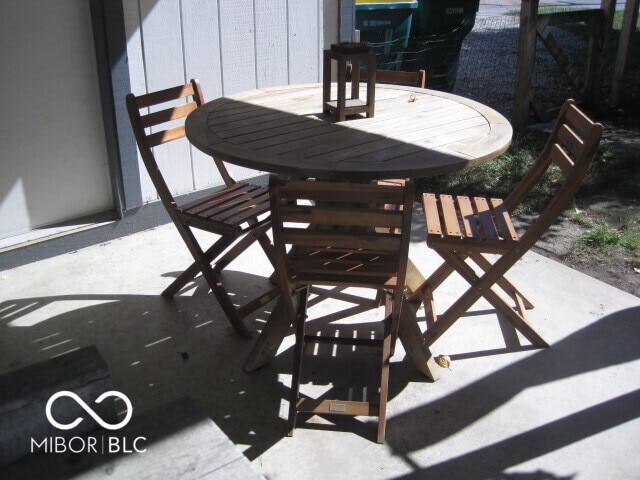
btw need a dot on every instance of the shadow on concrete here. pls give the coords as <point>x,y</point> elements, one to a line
<point>610,341</point>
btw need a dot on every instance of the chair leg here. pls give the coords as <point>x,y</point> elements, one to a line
<point>297,359</point>
<point>384,379</point>
<point>507,286</point>
<point>225,302</point>
<point>194,269</point>
<point>483,286</point>
<point>480,287</point>
<point>241,246</point>
<point>202,265</point>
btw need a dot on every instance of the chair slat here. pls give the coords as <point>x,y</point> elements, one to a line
<point>430,207</point>
<point>223,199</point>
<point>164,136</point>
<point>503,220</point>
<point>356,194</point>
<point>356,217</point>
<point>168,114</point>
<point>386,266</point>
<point>561,159</point>
<point>450,216</point>
<point>331,253</point>
<point>342,255</point>
<point>569,139</point>
<point>236,210</point>
<point>166,95</point>
<point>338,407</point>
<point>468,217</point>
<point>485,217</point>
<point>412,79</point>
<point>340,279</point>
<point>395,77</point>
<point>315,238</point>
<point>578,120</point>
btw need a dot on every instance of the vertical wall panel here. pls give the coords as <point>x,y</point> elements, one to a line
<point>135,56</point>
<point>304,35</point>
<point>237,45</point>
<point>137,77</point>
<point>201,40</point>
<point>164,67</point>
<point>271,43</point>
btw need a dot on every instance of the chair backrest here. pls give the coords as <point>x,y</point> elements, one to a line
<point>571,147</point>
<point>153,127</point>
<point>394,77</point>
<point>339,233</point>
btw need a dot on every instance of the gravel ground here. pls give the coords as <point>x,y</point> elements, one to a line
<point>487,64</point>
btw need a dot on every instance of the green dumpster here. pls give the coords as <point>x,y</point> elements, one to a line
<point>438,29</point>
<point>385,25</point>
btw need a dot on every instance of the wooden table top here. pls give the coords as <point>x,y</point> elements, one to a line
<point>283,130</point>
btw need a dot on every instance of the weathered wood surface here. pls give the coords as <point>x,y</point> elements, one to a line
<point>172,441</point>
<point>24,394</point>
<point>415,133</point>
<point>179,442</point>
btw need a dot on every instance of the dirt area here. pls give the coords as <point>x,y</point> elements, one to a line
<point>613,265</point>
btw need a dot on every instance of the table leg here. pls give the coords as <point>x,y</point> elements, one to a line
<point>413,342</point>
<point>266,346</point>
<point>414,278</point>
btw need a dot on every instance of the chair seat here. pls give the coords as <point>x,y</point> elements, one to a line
<point>468,224</point>
<point>340,266</point>
<point>227,209</point>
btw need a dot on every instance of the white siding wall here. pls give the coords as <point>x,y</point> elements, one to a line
<point>231,46</point>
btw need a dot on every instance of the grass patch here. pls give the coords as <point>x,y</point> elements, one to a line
<point>604,237</point>
<point>600,237</point>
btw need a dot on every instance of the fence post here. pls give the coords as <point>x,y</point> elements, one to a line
<point>629,21</point>
<point>596,57</point>
<point>524,67</point>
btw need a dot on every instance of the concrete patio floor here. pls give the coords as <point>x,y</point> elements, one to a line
<point>502,411</point>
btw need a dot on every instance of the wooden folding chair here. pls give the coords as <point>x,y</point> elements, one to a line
<point>460,228</point>
<point>338,237</point>
<point>394,77</point>
<point>238,213</point>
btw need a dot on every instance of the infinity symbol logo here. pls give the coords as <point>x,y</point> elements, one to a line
<point>86,408</point>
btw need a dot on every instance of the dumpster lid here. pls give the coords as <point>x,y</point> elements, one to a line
<point>385,4</point>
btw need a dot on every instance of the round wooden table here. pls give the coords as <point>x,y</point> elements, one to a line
<point>415,133</point>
